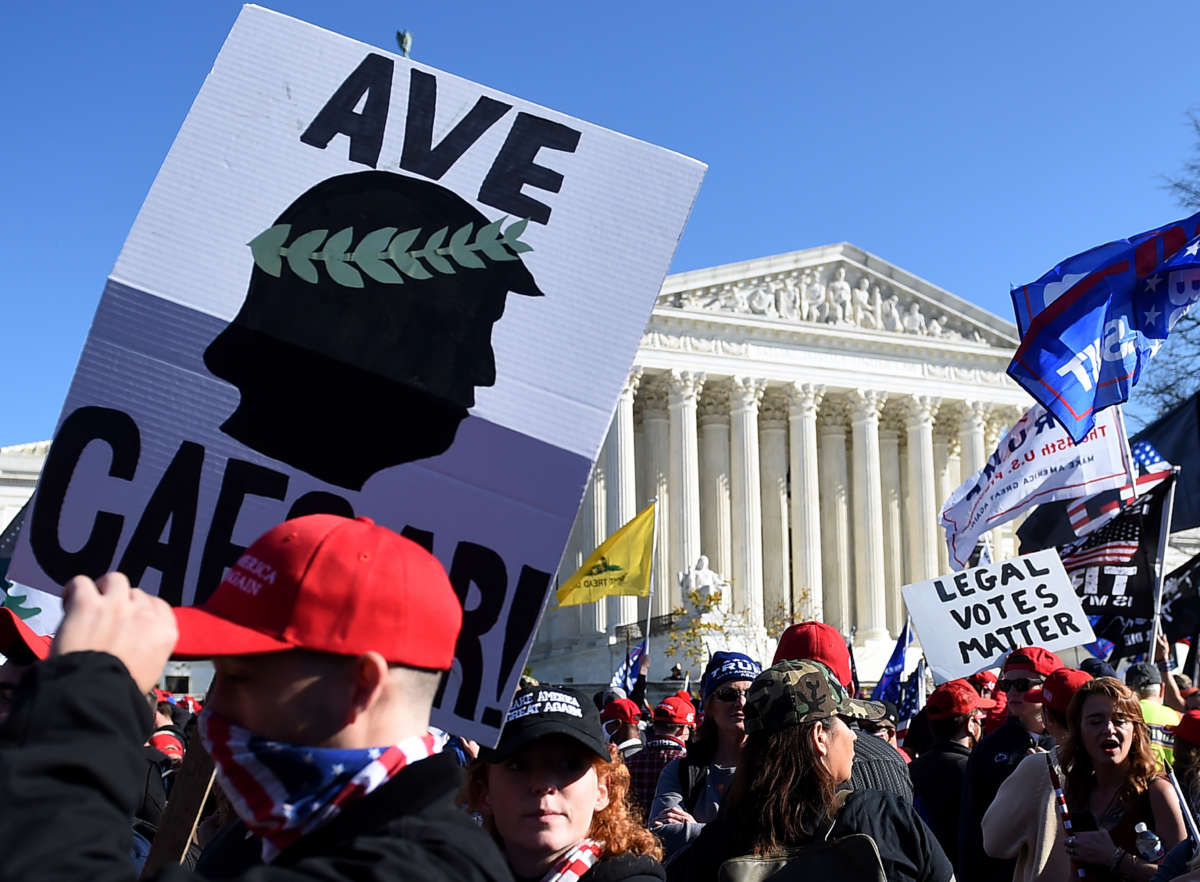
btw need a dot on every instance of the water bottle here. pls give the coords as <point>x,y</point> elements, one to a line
<point>1148,844</point>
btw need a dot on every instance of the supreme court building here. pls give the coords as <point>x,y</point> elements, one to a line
<point>800,419</point>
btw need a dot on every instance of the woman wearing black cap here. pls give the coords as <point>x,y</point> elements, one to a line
<point>784,799</point>
<point>553,795</point>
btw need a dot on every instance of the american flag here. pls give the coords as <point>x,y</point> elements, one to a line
<point>1092,513</point>
<point>1116,543</point>
<point>912,697</point>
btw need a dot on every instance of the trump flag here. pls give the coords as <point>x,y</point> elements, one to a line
<point>1089,325</point>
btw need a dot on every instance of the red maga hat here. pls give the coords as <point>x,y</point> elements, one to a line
<point>329,584</point>
<point>955,698</point>
<point>1032,660</point>
<point>1058,689</point>
<point>19,643</point>
<point>674,709</point>
<point>815,641</point>
<point>624,710</point>
<point>1188,728</point>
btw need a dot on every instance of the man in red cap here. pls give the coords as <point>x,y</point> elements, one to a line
<point>876,763</point>
<point>620,720</point>
<point>674,719</point>
<point>329,637</point>
<point>1022,821</point>
<point>998,754</point>
<point>954,711</point>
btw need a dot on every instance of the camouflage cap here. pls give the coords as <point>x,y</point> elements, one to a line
<point>795,692</point>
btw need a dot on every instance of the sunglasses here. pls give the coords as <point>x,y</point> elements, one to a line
<point>876,728</point>
<point>728,693</point>
<point>1023,684</point>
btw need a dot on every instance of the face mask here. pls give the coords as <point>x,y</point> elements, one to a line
<point>283,791</point>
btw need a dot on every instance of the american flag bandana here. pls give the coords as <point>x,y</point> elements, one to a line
<point>576,862</point>
<point>282,791</point>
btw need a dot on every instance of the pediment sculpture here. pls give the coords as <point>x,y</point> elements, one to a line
<point>825,295</point>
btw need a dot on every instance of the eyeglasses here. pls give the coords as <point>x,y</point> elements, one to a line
<point>728,693</point>
<point>1023,684</point>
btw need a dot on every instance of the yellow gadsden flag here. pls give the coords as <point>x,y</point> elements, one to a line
<point>621,565</point>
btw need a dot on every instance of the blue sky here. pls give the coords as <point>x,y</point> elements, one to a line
<point>972,146</point>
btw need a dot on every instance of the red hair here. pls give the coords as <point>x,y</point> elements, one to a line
<point>617,825</point>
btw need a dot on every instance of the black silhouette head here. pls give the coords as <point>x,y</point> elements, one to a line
<point>367,325</point>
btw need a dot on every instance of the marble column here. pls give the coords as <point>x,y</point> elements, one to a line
<point>923,512</point>
<point>745,395</point>
<point>893,548</point>
<point>657,429</point>
<point>684,538</point>
<point>773,474</point>
<point>942,490</point>
<point>715,501</point>
<point>974,424</point>
<point>865,407</point>
<point>803,401</point>
<point>622,463</point>
<point>622,482</point>
<point>835,515</point>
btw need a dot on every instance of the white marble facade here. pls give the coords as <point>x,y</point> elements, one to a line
<point>800,418</point>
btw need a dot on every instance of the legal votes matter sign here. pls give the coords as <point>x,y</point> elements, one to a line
<point>970,620</point>
<point>364,286</point>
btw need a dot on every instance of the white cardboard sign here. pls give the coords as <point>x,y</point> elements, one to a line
<point>970,620</point>
<point>362,285</point>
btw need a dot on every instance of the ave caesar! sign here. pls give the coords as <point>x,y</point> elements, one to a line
<point>363,286</point>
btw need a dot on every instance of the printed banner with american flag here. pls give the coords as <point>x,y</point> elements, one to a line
<point>1094,512</point>
<point>1113,568</point>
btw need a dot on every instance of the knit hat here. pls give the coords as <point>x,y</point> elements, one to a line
<point>725,667</point>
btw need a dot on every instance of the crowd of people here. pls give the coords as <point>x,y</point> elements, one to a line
<point>330,637</point>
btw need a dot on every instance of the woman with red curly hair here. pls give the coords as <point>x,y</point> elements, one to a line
<point>1113,782</point>
<point>553,795</point>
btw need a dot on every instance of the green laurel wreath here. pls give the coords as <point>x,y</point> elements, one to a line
<point>385,254</point>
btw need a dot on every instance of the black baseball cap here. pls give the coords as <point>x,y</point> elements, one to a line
<point>548,710</point>
<point>1142,674</point>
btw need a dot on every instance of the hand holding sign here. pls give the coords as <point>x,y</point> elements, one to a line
<point>109,616</point>
<point>967,621</point>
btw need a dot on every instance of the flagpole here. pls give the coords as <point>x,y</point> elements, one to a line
<point>1161,564</point>
<point>1126,452</point>
<point>653,556</point>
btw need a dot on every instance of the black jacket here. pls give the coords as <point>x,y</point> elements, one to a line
<point>937,777</point>
<point>879,766</point>
<point>991,762</point>
<point>908,851</point>
<point>626,868</point>
<point>71,772</point>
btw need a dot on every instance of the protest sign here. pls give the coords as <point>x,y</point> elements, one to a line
<point>1035,462</point>
<point>363,286</point>
<point>969,620</point>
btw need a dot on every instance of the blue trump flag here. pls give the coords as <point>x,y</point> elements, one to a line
<point>626,673</point>
<point>888,687</point>
<point>1089,325</point>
